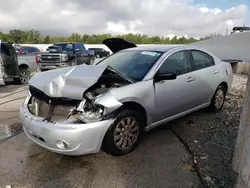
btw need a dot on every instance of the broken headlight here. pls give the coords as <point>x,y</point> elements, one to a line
<point>26,101</point>
<point>89,112</point>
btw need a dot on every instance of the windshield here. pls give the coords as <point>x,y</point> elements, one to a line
<point>134,64</point>
<point>65,46</point>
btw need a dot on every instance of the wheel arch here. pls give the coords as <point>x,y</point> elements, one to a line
<point>225,85</point>
<point>132,105</point>
<point>24,65</point>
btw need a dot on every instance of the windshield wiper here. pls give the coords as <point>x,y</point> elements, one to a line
<point>120,75</point>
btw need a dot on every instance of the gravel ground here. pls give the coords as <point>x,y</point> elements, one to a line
<point>211,137</point>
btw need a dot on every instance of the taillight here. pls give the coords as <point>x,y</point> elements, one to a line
<point>231,67</point>
<point>36,59</point>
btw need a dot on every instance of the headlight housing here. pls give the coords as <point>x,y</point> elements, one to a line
<point>90,112</point>
<point>26,101</point>
<point>64,57</point>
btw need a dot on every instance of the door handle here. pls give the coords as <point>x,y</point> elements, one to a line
<point>215,72</point>
<point>190,79</point>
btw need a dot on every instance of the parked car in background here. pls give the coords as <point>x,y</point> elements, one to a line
<point>65,54</point>
<point>100,52</point>
<point>27,64</point>
<point>75,111</point>
<point>10,61</point>
<point>240,29</point>
<point>23,50</point>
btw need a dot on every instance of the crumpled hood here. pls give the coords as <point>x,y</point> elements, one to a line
<point>70,82</point>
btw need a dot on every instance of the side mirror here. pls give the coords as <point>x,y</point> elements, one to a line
<point>77,50</point>
<point>23,52</point>
<point>165,76</point>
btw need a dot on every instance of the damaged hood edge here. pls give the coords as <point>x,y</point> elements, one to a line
<point>70,82</point>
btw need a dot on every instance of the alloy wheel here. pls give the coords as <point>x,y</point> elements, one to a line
<point>219,98</point>
<point>126,133</point>
<point>24,76</point>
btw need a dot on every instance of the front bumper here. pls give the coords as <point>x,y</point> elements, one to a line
<point>80,138</point>
<point>51,65</point>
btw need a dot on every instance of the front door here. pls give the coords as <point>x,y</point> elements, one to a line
<point>9,60</point>
<point>175,96</point>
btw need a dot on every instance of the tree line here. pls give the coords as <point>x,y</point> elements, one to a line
<point>34,37</point>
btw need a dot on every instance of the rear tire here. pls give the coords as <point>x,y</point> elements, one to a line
<point>124,134</point>
<point>24,78</point>
<point>218,99</point>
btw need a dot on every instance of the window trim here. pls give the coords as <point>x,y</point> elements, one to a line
<point>187,56</point>
<point>192,58</point>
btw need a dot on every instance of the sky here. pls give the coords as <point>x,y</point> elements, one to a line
<point>190,18</point>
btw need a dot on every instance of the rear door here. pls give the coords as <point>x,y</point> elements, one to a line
<point>9,60</point>
<point>206,75</point>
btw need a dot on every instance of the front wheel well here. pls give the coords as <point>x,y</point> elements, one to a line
<point>138,108</point>
<point>24,66</point>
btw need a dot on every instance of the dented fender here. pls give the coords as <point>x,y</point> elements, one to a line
<point>109,102</point>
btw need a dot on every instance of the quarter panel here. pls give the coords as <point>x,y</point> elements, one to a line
<point>207,82</point>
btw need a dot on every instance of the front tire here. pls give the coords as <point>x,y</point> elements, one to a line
<point>218,99</point>
<point>124,134</point>
<point>73,63</point>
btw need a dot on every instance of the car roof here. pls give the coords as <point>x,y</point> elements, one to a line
<point>160,48</point>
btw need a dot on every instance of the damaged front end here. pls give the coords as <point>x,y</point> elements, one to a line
<point>96,105</point>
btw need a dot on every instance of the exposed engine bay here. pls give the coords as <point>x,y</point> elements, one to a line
<point>65,110</point>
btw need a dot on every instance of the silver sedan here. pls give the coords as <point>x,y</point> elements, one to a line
<point>82,109</point>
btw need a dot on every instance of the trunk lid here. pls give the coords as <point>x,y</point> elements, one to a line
<point>117,44</point>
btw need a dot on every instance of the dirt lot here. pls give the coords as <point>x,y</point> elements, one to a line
<point>161,160</point>
<point>212,137</point>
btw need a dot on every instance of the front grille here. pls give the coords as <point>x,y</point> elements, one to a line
<point>53,109</point>
<point>59,112</point>
<point>55,100</point>
<point>50,58</point>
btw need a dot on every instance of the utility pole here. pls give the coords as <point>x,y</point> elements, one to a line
<point>241,161</point>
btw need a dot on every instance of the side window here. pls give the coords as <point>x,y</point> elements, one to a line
<point>24,50</point>
<point>201,59</point>
<point>69,47</point>
<point>32,50</point>
<point>80,46</point>
<point>176,63</point>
